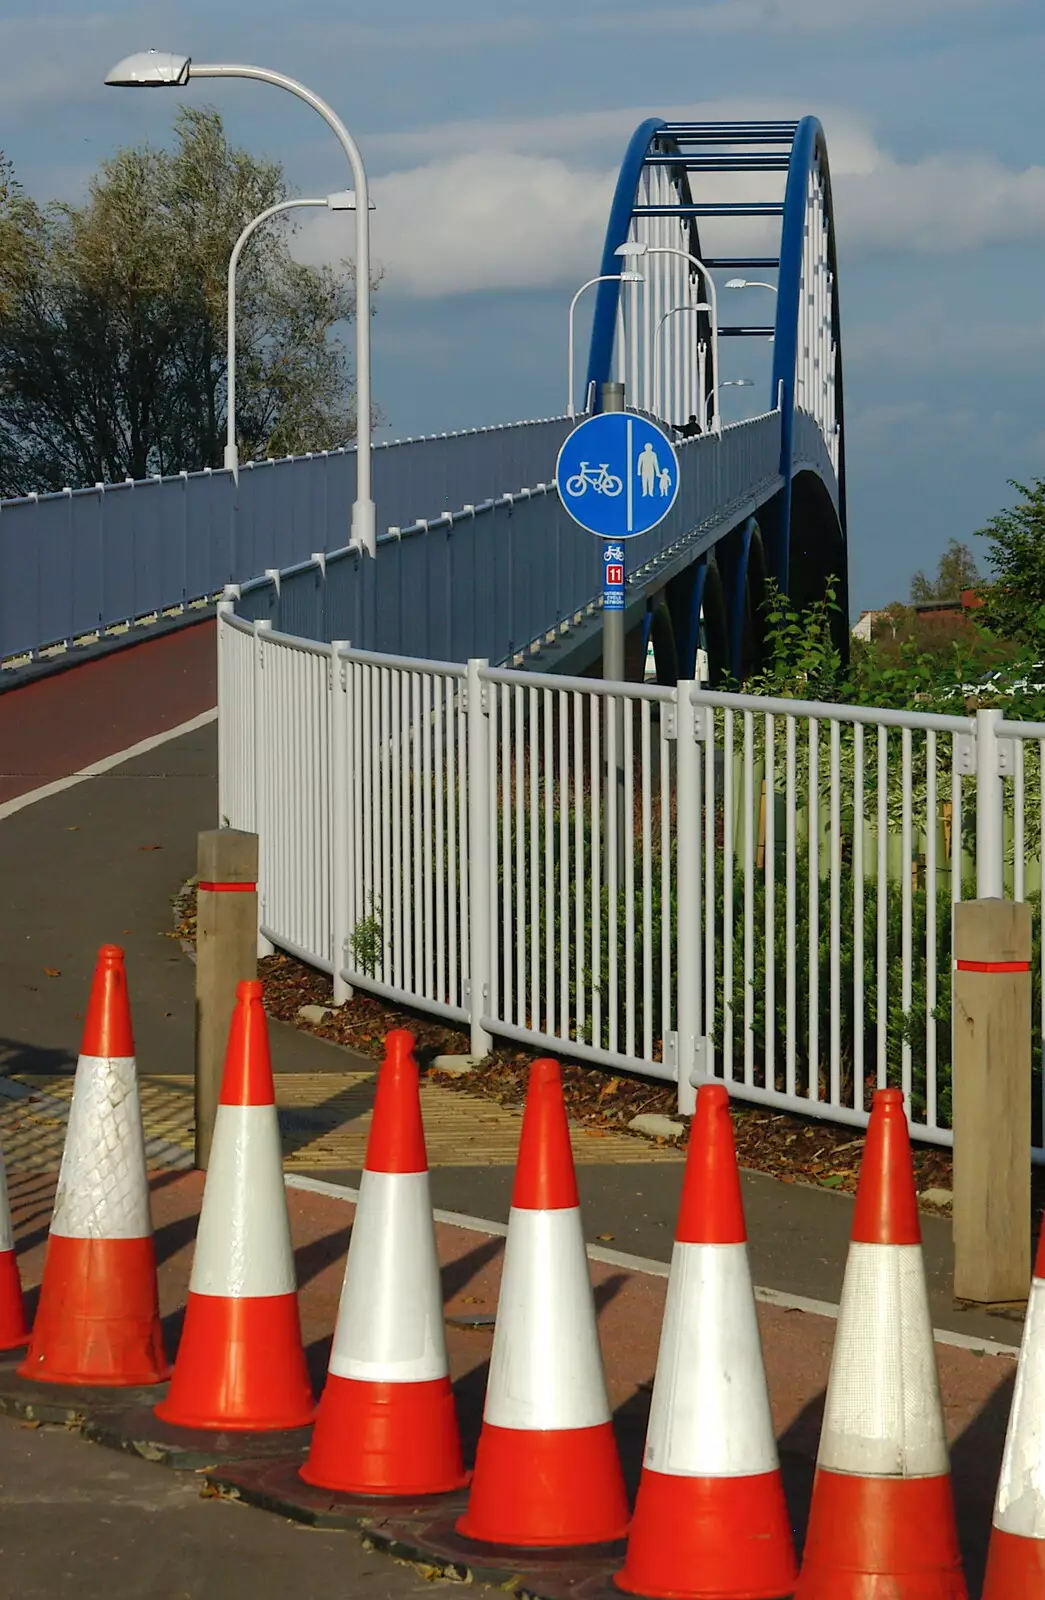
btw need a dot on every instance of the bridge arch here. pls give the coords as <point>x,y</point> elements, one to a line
<point>662,338</point>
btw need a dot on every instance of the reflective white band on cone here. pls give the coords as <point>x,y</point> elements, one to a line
<point>390,1320</point>
<point>103,1190</point>
<point>710,1415</point>
<point>1019,1508</point>
<point>546,1364</point>
<point>243,1247</point>
<point>883,1416</point>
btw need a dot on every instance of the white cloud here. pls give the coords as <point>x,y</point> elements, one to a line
<point>519,204</point>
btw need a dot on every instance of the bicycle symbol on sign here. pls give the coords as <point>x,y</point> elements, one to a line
<point>598,478</point>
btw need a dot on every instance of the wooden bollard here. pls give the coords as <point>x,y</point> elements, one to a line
<point>991,1105</point>
<point>226,954</point>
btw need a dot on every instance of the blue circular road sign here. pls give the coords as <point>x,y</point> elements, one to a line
<point>617,475</point>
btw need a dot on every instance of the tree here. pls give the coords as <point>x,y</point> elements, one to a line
<point>955,572</point>
<point>1014,603</point>
<point>112,321</point>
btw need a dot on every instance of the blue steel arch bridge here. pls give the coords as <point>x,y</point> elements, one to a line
<point>478,557</point>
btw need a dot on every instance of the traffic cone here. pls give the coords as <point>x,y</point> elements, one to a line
<point>882,1520</point>
<point>710,1519</point>
<point>1016,1558</point>
<point>14,1330</point>
<point>386,1422</point>
<point>547,1471</point>
<point>98,1318</point>
<point>240,1364</point>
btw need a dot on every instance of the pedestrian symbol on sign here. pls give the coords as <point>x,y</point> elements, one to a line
<point>617,475</point>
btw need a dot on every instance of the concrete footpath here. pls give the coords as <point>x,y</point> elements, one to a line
<point>976,1386</point>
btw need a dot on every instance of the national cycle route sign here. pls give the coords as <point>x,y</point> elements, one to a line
<point>617,475</point>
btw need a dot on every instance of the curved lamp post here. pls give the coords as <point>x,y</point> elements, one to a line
<point>700,305</point>
<point>345,201</point>
<point>729,383</point>
<point>604,277</point>
<point>638,247</point>
<point>159,69</point>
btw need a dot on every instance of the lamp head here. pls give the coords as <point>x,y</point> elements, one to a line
<point>736,283</point>
<point>150,69</point>
<point>631,247</point>
<point>632,277</point>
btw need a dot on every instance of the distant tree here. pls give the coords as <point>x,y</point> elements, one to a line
<point>112,321</point>
<point>1014,603</point>
<point>955,572</point>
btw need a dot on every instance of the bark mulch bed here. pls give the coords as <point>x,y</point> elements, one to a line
<point>791,1148</point>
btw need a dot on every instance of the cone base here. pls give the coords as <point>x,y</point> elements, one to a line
<point>98,1321</point>
<point>1015,1566</point>
<point>240,1366</point>
<point>710,1539</point>
<point>876,1538</point>
<point>385,1439</point>
<point>543,1490</point>
<point>14,1330</point>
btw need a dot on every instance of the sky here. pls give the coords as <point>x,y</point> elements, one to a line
<point>493,133</point>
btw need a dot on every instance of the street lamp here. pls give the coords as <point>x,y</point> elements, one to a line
<point>158,69</point>
<point>751,283</point>
<point>728,383</point>
<point>674,312</point>
<point>638,247</point>
<point>344,201</point>
<point>605,277</point>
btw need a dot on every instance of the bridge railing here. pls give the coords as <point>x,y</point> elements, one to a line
<point>494,577</point>
<point>85,560</point>
<point>664,881</point>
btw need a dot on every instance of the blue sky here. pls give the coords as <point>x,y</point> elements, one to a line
<point>493,133</point>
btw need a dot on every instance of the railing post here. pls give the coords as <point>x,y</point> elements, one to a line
<point>990,811</point>
<point>992,1100</point>
<point>479,930</point>
<point>340,821</point>
<point>690,1054</point>
<point>265,947</point>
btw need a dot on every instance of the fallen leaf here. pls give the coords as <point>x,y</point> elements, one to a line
<point>74,829</point>
<point>52,972</point>
<point>834,1181</point>
<point>472,1300</point>
<point>605,1238</point>
<point>150,847</point>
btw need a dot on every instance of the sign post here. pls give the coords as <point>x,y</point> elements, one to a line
<point>618,477</point>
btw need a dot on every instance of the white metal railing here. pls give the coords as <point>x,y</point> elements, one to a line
<point>671,881</point>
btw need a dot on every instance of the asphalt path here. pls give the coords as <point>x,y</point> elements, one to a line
<point>76,1519</point>
<point>101,862</point>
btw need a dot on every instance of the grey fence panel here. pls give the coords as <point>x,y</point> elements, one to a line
<point>489,582</point>
<point>73,563</point>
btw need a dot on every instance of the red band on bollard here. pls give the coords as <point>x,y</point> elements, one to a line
<point>992,966</point>
<point>229,888</point>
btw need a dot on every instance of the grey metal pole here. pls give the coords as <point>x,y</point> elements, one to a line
<point>612,396</point>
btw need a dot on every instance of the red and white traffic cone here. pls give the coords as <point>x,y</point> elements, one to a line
<point>240,1364</point>
<point>1016,1558</point>
<point>882,1520</point>
<point>710,1519</point>
<point>386,1423</point>
<point>14,1330</point>
<point>547,1472</point>
<point>98,1318</point>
